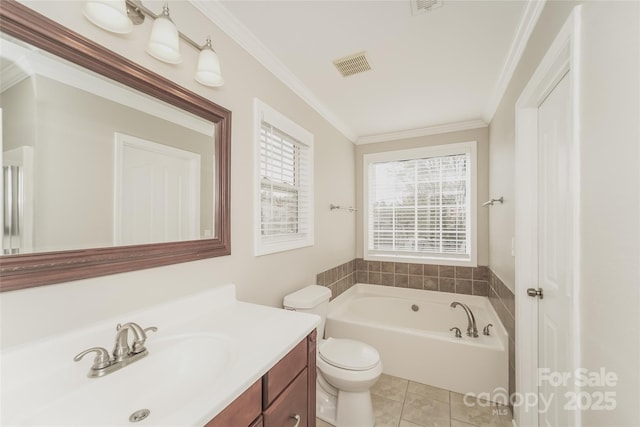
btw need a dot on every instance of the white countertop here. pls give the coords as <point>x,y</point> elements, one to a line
<point>41,382</point>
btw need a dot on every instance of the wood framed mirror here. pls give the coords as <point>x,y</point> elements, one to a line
<point>37,268</point>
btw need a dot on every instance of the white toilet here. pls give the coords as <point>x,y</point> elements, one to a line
<point>347,369</point>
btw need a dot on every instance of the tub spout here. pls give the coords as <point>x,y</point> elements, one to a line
<point>472,330</point>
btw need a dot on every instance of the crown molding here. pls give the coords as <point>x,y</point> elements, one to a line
<point>430,130</point>
<point>525,29</point>
<point>228,23</point>
<point>14,73</point>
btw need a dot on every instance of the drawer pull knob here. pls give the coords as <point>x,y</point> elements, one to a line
<point>297,418</point>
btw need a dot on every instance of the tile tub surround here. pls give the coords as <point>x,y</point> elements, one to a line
<point>398,402</point>
<point>339,278</point>
<point>503,302</point>
<point>444,278</point>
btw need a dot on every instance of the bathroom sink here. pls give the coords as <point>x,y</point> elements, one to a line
<point>208,349</point>
<point>176,369</point>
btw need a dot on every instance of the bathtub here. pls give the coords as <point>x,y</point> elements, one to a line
<point>417,345</point>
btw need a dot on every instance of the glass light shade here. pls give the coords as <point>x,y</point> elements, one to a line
<point>209,73</point>
<point>164,42</point>
<point>110,15</point>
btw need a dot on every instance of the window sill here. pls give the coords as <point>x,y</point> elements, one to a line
<point>267,249</point>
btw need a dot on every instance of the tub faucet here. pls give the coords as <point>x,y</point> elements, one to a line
<point>472,330</point>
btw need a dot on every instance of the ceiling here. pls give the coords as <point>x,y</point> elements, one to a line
<point>442,70</point>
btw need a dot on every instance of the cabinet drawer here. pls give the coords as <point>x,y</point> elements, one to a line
<point>292,402</point>
<point>242,411</point>
<point>281,375</point>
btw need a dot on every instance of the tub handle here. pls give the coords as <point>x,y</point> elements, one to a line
<point>485,331</point>
<point>458,332</point>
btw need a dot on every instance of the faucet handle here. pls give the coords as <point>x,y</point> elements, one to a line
<point>141,337</point>
<point>458,332</point>
<point>102,359</point>
<point>150,329</point>
<point>485,331</point>
<point>138,344</point>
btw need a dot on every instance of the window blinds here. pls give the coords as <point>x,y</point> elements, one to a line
<point>420,206</point>
<point>285,186</point>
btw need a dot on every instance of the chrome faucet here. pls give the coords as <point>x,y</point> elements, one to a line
<point>457,332</point>
<point>472,330</point>
<point>121,349</point>
<point>122,354</point>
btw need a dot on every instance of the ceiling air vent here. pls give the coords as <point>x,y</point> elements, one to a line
<point>422,6</point>
<point>353,64</point>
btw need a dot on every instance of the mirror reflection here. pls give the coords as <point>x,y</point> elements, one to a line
<point>88,162</point>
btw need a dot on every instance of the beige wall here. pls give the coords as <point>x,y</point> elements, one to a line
<point>481,135</point>
<point>610,203</point>
<point>502,141</point>
<point>18,115</point>
<point>262,280</point>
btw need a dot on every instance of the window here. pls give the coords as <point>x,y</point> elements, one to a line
<point>420,205</point>
<point>284,183</point>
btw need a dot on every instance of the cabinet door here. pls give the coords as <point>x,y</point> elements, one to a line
<point>242,411</point>
<point>281,375</point>
<point>291,406</point>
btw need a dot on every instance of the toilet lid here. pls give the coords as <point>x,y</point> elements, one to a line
<point>349,354</point>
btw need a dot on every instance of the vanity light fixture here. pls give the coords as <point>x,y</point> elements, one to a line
<point>110,15</point>
<point>164,42</point>
<point>119,16</point>
<point>209,73</point>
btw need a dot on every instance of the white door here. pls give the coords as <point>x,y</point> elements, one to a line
<point>157,192</point>
<point>555,253</point>
<point>547,236</point>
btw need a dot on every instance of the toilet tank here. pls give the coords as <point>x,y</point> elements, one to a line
<point>311,299</point>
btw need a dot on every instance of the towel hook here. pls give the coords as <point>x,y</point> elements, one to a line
<point>492,201</point>
<point>350,208</point>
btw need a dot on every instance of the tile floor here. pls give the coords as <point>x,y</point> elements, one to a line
<point>402,403</point>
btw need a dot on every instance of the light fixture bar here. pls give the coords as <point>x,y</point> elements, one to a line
<point>136,12</point>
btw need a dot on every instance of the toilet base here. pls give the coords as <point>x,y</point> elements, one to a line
<point>348,409</point>
<point>354,409</point>
<point>326,405</point>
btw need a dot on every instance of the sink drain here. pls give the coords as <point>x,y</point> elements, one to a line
<point>139,415</point>
<point>415,307</point>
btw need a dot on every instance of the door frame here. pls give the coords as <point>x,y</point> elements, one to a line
<point>562,58</point>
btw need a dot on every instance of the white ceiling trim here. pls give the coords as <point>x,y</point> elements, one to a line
<point>525,28</point>
<point>228,23</point>
<point>14,73</point>
<point>414,133</point>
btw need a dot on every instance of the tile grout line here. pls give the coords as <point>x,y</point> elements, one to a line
<point>450,410</point>
<point>404,400</point>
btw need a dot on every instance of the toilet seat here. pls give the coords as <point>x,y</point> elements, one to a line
<point>348,354</point>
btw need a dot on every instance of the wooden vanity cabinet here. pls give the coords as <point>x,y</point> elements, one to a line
<point>291,406</point>
<point>258,422</point>
<point>286,391</point>
<point>242,411</point>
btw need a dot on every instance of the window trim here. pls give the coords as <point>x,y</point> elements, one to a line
<point>263,112</point>
<point>416,153</point>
